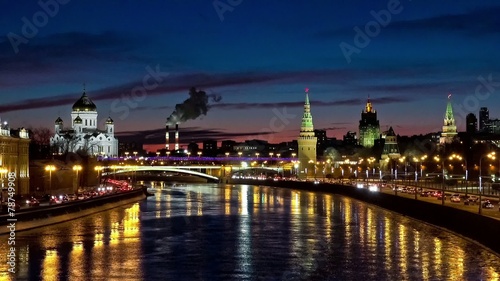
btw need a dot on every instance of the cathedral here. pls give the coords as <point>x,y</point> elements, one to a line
<point>84,136</point>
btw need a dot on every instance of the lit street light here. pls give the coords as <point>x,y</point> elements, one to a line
<point>98,169</point>
<point>491,156</point>
<point>50,169</point>
<point>77,169</point>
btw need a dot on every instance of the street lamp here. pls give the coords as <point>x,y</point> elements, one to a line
<point>460,158</point>
<point>491,156</point>
<point>77,169</point>
<point>239,154</point>
<point>199,154</point>
<point>135,155</point>
<point>50,169</point>
<point>98,169</point>
<point>126,154</point>
<point>437,159</point>
<point>227,154</point>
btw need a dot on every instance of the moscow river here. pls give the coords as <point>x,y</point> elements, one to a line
<point>241,232</point>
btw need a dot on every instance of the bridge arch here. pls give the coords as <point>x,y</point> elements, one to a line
<point>121,170</point>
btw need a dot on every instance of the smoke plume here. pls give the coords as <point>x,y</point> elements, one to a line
<point>197,104</point>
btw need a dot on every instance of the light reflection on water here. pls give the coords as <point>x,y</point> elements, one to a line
<point>210,232</point>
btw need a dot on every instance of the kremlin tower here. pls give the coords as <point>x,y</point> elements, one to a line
<point>307,143</point>
<point>450,128</point>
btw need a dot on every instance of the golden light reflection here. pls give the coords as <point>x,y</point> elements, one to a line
<point>76,261</point>
<point>131,222</point>
<point>403,243</point>
<point>200,204</point>
<point>327,207</point>
<point>388,243</point>
<point>295,206</point>
<point>438,258</point>
<point>244,200</point>
<point>168,213</point>
<point>50,266</point>
<point>311,204</point>
<point>227,200</point>
<point>457,266</point>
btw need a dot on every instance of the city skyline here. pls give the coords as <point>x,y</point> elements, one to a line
<point>183,45</point>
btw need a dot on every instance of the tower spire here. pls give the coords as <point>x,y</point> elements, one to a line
<point>449,127</point>
<point>307,142</point>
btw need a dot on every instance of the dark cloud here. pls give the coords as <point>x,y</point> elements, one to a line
<point>187,134</point>
<point>345,102</point>
<point>177,83</point>
<point>474,22</point>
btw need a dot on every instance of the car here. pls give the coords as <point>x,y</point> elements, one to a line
<point>455,198</point>
<point>55,200</point>
<point>486,204</point>
<point>32,202</point>
<point>425,194</point>
<point>440,195</point>
<point>471,200</point>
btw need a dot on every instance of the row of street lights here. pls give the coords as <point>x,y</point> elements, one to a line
<point>77,169</point>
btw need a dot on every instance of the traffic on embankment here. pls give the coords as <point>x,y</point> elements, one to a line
<point>485,230</point>
<point>33,217</point>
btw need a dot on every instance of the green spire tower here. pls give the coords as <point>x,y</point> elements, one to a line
<point>307,143</point>
<point>450,128</point>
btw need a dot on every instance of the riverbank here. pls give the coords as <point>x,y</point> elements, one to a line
<point>49,215</point>
<point>481,229</point>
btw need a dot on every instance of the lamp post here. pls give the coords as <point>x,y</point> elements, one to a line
<point>460,158</point>
<point>199,154</point>
<point>135,155</point>
<point>126,154</point>
<point>77,169</point>
<point>491,156</point>
<point>50,169</point>
<point>239,154</point>
<point>437,159</point>
<point>98,169</point>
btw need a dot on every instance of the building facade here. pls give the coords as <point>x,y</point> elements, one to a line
<point>307,142</point>
<point>14,160</point>
<point>471,121</point>
<point>449,128</point>
<point>369,126</point>
<point>391,150</point>
<point>84,135</point>
<point>484,119</point>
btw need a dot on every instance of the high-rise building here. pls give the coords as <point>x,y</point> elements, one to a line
<point>484,119</point>
<point>449,128</point>
<point>321,141</point>
<point>471,121</point>
<point>369,126</point>
<point>307,143</point>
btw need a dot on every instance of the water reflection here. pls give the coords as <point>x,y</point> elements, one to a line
<point>210,232</point>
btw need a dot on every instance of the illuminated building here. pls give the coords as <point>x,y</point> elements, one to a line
<point>391,149</point>
<point>84,136</point>
<point>449,128</point>
<point>369,126</point>
<point>14,159</point>
<point>307,143</point>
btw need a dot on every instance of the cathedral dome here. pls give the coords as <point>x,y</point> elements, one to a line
<point>84,104</point>
<point>109,121</point>
<point>78,120</point>
<point>59,120</point>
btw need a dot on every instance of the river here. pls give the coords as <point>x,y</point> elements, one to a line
<point>241,232</point>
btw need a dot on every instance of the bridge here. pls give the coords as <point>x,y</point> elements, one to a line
<point>209,172</point>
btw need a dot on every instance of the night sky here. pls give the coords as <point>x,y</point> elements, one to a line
<point>259,56</point>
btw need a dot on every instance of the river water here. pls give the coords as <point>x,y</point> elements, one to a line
<point>241,232</point>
